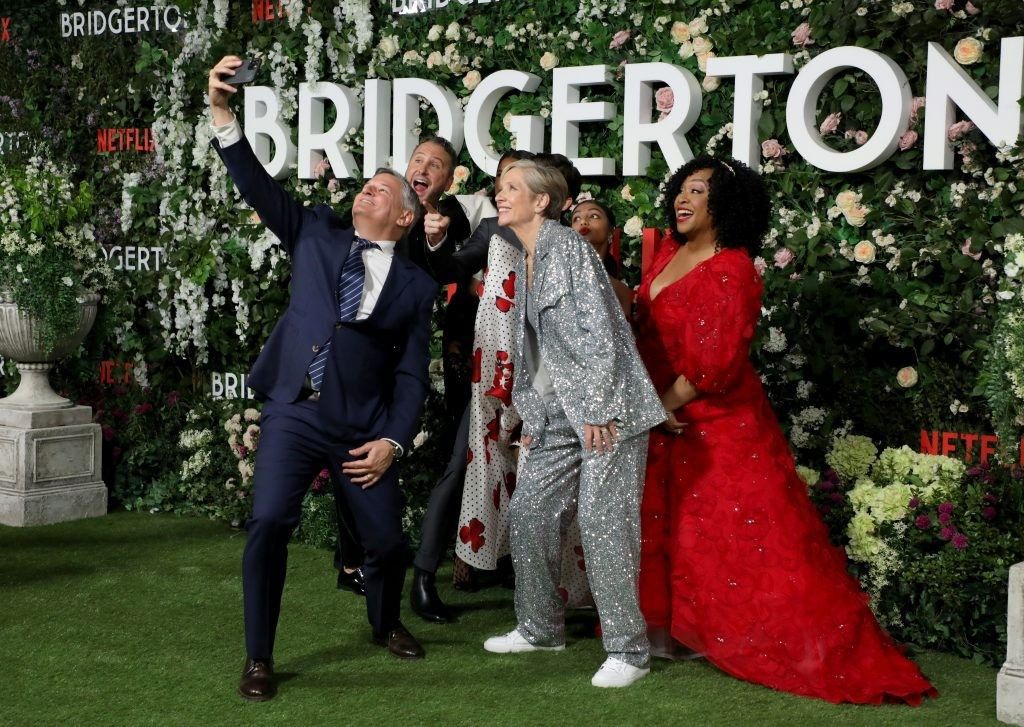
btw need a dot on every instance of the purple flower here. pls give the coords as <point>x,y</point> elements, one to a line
<point>945,517</point>
<point>831,476</point>
<point>826,485</point>
<point>923,522</point>
<point>946,507</point>
<point>959,541</point>
<point>914,503</point>
<point>975,471</point>
<point>836,498</point>
<point>947,533</point>
<point>989,513</point>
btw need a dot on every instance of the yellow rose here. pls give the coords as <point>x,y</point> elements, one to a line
<point>864,251</point>
<point>847,199</point>
<point>968,51</point>
<point>680,32</point>
<point>856,215</point>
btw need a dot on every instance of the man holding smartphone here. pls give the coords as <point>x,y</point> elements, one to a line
<point>343,378</point>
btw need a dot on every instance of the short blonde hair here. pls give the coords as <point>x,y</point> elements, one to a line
<point>543,179</point>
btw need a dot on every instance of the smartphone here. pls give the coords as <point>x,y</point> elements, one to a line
<point>245,73</point>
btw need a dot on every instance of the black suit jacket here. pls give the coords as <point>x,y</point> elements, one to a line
<point>376,378</point>
<point>452,265</point>
<point>415,244</point>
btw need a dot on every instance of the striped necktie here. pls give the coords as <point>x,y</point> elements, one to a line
<point>350,294</point>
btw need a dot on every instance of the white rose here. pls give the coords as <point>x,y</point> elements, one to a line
<point>864,251</point>
<point>435,32</point>
<point>388,46</point>
<point>435,59</point>
<point>698,26</point>
<point>471,80</point>
<point>710,83</point>
<point>412,56</point>
<point>702,45</point>
<point>968,51</point>
<point>452,32</point>
<point>627,193</point>
<point>460,174</point>
<point>680,32</point>
<point>548,61</point>
<point>685,50</point>
<point>506,121</point>
<point>702,60</point>
<point>634,227</point>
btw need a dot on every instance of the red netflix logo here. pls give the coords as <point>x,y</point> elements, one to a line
<point>267,10</point>
<point>111,140</point>
<point>948,443</point>
<point>5,30</point>
<point>116,372</point>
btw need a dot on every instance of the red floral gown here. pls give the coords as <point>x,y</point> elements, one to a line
<point>735,561</point>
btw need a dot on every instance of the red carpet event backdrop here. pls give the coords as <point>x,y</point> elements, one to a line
<point>888,132</point>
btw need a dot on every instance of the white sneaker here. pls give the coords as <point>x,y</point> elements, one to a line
<point>617,673</point>
<point>514,643</point>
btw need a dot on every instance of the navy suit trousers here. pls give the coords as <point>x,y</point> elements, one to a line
<point>292,450</point>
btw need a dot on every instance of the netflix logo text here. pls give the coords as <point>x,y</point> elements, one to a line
<point>268,10</point>
<point>116,372</point>
<point>13,141</point>
<point>132,258</point>
<point>121,20</point>
<point>229,386</point>
<point>968,446</point>
<point>113,140</point>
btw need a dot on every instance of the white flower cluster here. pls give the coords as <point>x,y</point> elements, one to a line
<point>195,438</point>
<point>195,465</point>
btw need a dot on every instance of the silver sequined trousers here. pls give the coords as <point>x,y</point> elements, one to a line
<point>556,478</point>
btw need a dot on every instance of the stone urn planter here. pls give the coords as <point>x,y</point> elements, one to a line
<point>18,342</point>
<point>50,449</point>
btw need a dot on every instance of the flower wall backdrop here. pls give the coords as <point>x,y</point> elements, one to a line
<point>892,304</point>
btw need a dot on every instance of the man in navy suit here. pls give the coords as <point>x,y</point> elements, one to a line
<point>343,377</point>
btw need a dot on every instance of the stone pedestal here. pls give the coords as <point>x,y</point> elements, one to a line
<point>1010,682</point>
<point>50,463</point>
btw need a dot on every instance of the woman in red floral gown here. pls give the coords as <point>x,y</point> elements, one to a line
<point>736,563</point>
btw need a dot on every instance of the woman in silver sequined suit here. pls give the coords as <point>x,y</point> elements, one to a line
<point>587,404</point>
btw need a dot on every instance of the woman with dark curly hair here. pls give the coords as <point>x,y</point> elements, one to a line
<point>735,562</point>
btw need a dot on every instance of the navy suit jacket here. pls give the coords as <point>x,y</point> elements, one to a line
<point>376,377</point>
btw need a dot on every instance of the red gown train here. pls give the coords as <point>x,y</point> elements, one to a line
<point>736,562</point>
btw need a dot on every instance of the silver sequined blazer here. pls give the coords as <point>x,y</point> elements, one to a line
<point>584,338</point>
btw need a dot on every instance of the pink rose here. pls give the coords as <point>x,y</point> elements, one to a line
<point>334,185</point>
<point>665,99</point>
<point>908,139</point>
<point>943,4</point>
<point>772,149</point>
<point>966,250</point>
<point>760,265</point>
<point>802,36</point>
<point>619,39</point>
<point>971,9</point>
<point>861,137</point>
<point>916,104</point>
<point>783,257</point>
<point>959,129</point>
<point>830,124</point>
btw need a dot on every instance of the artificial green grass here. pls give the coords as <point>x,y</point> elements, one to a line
<point>136,619</point>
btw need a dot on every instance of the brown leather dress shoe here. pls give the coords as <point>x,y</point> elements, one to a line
<point>400,643</point>
<point>257,683</point>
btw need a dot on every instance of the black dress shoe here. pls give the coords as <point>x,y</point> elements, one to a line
<point>352,581</point>
<point>257,683</point>
<point>400,643</point>
<point>424,599</point>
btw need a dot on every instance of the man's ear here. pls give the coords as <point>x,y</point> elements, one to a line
<point>405,219</point>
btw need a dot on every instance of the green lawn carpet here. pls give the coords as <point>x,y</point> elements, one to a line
<point>136,619</point>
